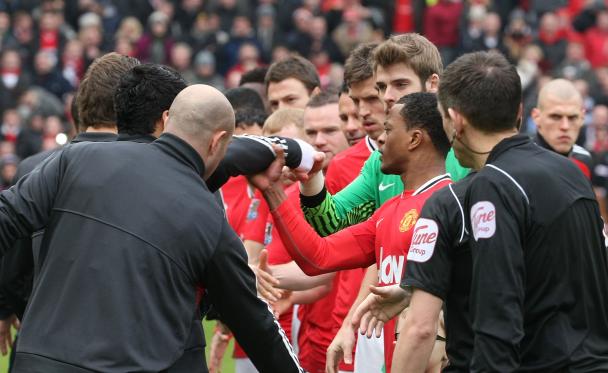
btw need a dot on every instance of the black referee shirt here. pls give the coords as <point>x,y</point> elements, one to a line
<point>539,292</point>
<point>444,269</point>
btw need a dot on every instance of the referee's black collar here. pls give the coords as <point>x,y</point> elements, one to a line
<point>506,144</point>
<point>181,150</point>
<point>95,137</point>
<point>145,139</point>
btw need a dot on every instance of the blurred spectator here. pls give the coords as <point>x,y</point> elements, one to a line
<point>15,79</point>
<point>23,32</point>
<point>6,39</point>
<point>321,42</point>
<point>91,36</point>
<point>441,27</point>
<point>181,60</point>
<point>241,34</point>
<point>50,39</point>
<point>11,126</point>
<point>597,132</point>
<point>353,30</point>
<point>228,10</point>
<point>72,62</point>
<point>552,40</point>
<point>204,71</point>
<point>37,100</point>
<point>517,35</point>
<point>47,76</point>
<point>155,45</point>
<point>185,15</point>
<point>574,65</point>
<point>130,29</point>
<point>266,32</point>
<point>596,41</point>
<point>206,33</point>
<point>299,39</point>
<point>53,127</point>
<point>249,59</point>
<point>472,27</point>
<point>7,148</point>
<point>8,169</point>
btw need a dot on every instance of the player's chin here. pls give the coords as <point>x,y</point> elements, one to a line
<point>387,168</point>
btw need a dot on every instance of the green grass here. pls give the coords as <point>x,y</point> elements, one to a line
<point>227,363</point>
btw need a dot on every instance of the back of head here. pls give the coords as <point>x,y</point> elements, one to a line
<point>326,97</point>
<point>95,96</point>
<point>247,105</point>
<point>283,118</point>
<point>294,67</point>
<point>420,111</point>
<point>485,88</point>
<point>412,49</point>
<point>256,75</point>
<point>142,95</point>
<point>197,112</point>
<point>358,66</point>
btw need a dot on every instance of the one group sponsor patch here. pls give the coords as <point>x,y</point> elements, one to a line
<point>483,220</point>
<point>423,240</point>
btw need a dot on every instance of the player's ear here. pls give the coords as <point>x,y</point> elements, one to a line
<point>217,141</point>
<point>416,138</point>
<point>432,83</point>
<point>458,120</point>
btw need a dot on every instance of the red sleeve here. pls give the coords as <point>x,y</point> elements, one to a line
<point>255,228</point>
<point>352,247</point>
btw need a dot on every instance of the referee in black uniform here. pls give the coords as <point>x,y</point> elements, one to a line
<point>539,292</point>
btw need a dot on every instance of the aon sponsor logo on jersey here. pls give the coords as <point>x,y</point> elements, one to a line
<point>391,269</point>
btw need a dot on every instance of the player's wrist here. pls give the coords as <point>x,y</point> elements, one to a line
<point>313,186</point>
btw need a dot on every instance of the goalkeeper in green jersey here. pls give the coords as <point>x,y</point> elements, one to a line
<point>402,65</point>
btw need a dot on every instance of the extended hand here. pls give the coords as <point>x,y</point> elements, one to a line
<point>340,348</point>
<point>266,283</point>
<point>380,306</point>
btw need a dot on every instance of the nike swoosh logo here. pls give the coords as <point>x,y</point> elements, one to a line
<point>382,187</point>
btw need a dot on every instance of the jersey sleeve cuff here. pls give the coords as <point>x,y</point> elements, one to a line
<point>411,282</point>
<point>313,201</point>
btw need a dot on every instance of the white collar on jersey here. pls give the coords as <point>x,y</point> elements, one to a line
<point>430,183</point>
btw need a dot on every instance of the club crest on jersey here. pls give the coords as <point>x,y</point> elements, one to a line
<point>408,221</point>
<point>483,220</point>
<point>423,241</point>
<point>252,213</point>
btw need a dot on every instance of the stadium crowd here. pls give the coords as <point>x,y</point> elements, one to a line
<point>385,112</point>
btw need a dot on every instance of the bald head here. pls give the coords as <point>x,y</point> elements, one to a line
<point>202,116</point>
<point>559,90</point>
<point>199,109</point>
<point>559,115</point>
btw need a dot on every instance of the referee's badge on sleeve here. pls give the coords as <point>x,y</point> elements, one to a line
<point>423,240</point>
<point>483,220</point>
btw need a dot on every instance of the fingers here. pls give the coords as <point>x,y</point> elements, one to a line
<point>379,328</point>
<point>266,286</point>
<point>317,166</point>
<point>363,308</point>
<point>263,261</point>
<point>348,351</point>
<point>371,327</point>
<point>332,360</point>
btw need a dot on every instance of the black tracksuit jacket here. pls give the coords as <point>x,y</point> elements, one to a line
<point>131,232</point>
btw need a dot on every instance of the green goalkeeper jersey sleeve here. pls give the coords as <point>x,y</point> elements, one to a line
<point>357,201</point>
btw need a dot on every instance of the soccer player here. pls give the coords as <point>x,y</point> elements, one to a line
<point>291,83</point>
<point>351,123</point>
<point>414,147</point>
<point>559,117</point>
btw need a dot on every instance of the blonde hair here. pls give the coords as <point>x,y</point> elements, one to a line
<point>283,118</point>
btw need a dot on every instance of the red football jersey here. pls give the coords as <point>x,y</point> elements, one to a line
<point>342,170</point>
<point>384,239</point>
<point>346,165</point>
<point>239,203</point>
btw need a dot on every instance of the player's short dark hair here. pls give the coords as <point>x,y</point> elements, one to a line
<point>256,75</point>
<point>326,97</point>
<point>95,96</point>
<point>294,67</point>
<point>247,105</point>
<point>343,89</point>
<point>142,95</point>
<point>358,66</point>
<point>420,111</point>
<point>485,88</point>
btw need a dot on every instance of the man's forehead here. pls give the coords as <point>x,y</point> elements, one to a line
<point>395,71</point>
